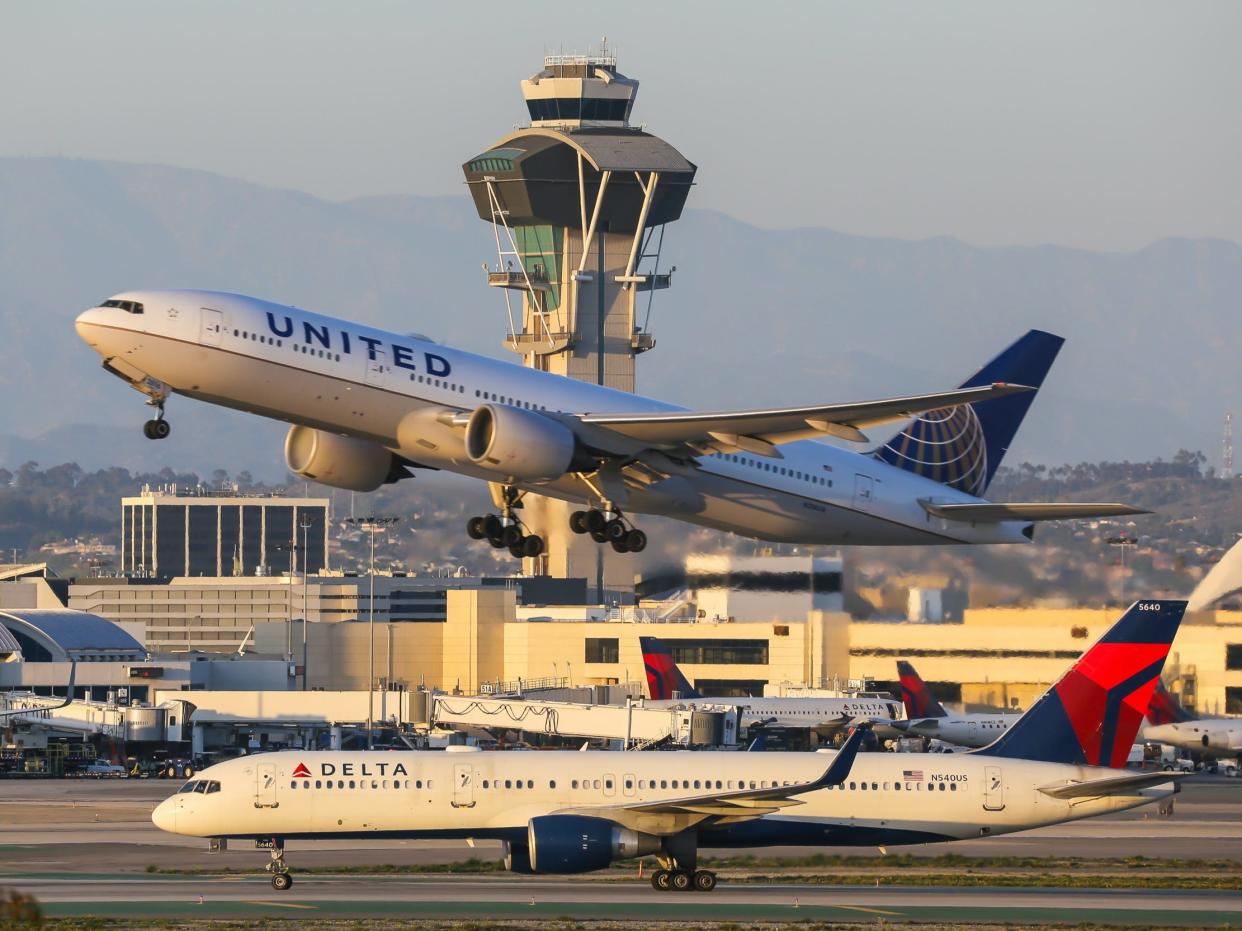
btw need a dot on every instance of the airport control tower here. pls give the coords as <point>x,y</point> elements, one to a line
<point>578,201</point>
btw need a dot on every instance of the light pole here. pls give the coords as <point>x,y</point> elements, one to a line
<point>372,525</point>
<point>1123,543</point>
<point>305,522</point>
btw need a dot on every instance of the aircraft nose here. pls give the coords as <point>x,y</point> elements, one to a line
<point>165,816</point>
<point>86,321</point>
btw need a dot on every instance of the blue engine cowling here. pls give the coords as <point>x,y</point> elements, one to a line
<point>580,844</point>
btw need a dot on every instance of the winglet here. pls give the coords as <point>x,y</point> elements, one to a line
<point>839,769</point>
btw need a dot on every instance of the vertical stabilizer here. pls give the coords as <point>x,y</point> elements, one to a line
<point>1093,712</point>
<point>916,695</point>
<point>962,446</point>
<point>663,677</point>
<point>1165,709</point>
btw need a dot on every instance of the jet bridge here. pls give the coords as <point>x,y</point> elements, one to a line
<point>633,725</point>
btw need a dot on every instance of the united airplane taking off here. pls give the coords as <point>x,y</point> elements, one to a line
<point>1169,723</point>
<point>574,812</point>
<point>926,717</point>
<point>368,406</point>
<point>668,685</point>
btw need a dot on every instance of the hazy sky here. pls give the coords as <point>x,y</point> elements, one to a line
<point>1103,124</point>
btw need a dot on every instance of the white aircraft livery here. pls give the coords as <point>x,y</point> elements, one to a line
<point>668,685</point>
<point>574,812</point>
<point>368,406</point>
<point>926,717</point>
<point>1169,723</point>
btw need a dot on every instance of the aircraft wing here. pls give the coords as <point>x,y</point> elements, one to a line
<point>671,816</point>
<point>757,431</point>
<point>1039,510</point>
<point>1112,785</point>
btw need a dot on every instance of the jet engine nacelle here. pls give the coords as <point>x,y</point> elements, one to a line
<point>1222,740</point>
<point>519,444</point>
<point>339,461</point>
<point>581,844</point>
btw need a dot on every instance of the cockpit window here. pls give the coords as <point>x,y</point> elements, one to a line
<point>189,787</point>
<point>213,786</point>
<point>130,307</point>
<point>201,787</point>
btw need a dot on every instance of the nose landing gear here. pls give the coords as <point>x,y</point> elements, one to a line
<point>281,878</point>
<point>158,428</point>
<point>609,526</point>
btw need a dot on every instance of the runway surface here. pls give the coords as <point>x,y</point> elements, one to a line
<point>363,897</point>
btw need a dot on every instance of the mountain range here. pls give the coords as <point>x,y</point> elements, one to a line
<point>755,316</point>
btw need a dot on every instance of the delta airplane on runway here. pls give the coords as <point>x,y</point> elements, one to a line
<point>667,685</point>
<point>926,717</point>
<point>574,812</point>
<point>1169,723</point>
<point>368,406</point>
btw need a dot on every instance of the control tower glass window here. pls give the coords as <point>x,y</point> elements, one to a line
<point>577,108</point>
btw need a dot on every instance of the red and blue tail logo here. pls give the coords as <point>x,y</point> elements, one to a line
<point>1165,709</point>
<point>663,676</point>
<point>915,695</point>
<point>1093,713</point>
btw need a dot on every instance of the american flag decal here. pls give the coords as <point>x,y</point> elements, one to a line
<point>912,775</point>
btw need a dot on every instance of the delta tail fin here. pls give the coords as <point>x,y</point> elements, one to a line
<point>1165,709</point>
<point>916,695</point>
<point>663,676</point>
<point>1093,712</point>
<point>962,446</point>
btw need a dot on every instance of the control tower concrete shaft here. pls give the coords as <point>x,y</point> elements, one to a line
<point>578,201</point>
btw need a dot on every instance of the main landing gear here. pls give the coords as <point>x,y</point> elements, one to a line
<point>281,878</point>
<point>159,428</point>
<point>506,531</point>
<point>683,880</point>
<point>609,526</point>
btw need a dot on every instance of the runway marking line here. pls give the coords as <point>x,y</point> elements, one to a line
<point>313,908</point>
<point>861,908</point>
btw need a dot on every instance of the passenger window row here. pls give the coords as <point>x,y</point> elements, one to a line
<point>438,383</point>
<point>506,399</point>
<point>779,470</point>
<point>359,783</point>
<point>896,786</point>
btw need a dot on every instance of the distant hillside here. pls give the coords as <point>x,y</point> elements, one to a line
<point>755,316</point>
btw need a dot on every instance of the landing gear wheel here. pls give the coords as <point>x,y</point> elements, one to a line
<point>512,536</point>
<point>156,429</point>
<point>660,880</point>
<point>680,881</point>
<point>595,522</point>
<point>704,880</point>
<point>619,546</point>
<point>476,528</point>
<point>615,530</point>
<point>516,551</point>
<point>578,522</point>
<point>598,536</point>
<point>635,541</point>
<point>532,547</point>
<point>281,881</point>
<point>492,528</point>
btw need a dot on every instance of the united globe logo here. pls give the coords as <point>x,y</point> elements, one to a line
<point>945,445</point>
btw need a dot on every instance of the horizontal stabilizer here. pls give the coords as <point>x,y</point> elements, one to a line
<point>1037,510</point>
<point>1114,785</point>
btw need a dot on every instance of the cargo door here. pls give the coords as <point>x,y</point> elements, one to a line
<point>463,786</point>
<point>265,786</point>
<point>862,492</point>
<point>993,789</point>
<point>211,327</point>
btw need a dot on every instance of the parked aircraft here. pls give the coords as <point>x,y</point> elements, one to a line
<point>926,717</point>
<point>667,685</point>
<point>1169,723</point>
<point>367,407</point>
<point>575,812</point>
